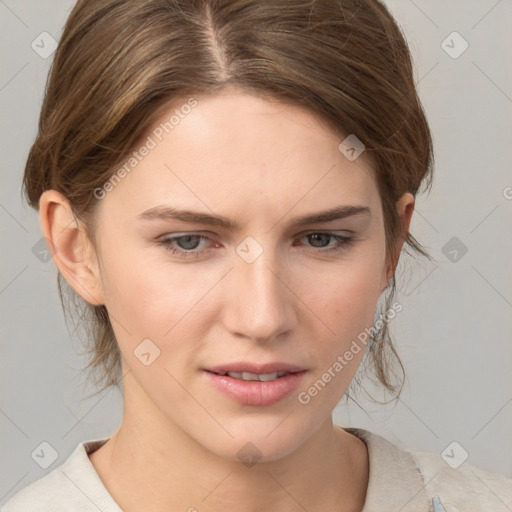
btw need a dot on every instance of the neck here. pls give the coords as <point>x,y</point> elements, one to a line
<point>158,467</point>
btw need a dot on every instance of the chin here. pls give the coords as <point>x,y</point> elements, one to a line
<point>260,439</point>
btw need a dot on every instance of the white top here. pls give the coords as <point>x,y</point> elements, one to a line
<point>398,480</point>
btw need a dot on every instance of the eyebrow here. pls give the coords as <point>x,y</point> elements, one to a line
<point>168,213</point>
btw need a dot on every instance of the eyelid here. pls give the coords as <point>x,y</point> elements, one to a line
<point>208,234</point>
<point>342,242</point>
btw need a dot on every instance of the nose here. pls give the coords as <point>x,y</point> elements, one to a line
<point>260,304</point>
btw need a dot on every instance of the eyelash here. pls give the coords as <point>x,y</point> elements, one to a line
<point>342,243</point>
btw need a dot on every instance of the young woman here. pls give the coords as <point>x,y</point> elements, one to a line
<point>227,185</point>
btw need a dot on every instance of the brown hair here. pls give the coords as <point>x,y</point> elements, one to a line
<point>119,62</point>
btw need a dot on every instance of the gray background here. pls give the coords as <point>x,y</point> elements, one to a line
<point>455,332</point>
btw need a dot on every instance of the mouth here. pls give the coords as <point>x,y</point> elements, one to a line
<point>238,369</point>
<point>247,376</point>
<point>258,385</point>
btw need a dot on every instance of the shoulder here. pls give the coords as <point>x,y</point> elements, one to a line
<point>74,485</point>
<point>40,495</point>
<point>414,481</point>
<point>465,486</point>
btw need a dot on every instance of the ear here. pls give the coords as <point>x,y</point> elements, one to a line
<point>405,209</point>
<point>72,251</point>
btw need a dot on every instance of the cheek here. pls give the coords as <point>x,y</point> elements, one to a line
<point>151,301</point>
<point>149,297</point>
<point>136,291</point>
<point>346,299</point>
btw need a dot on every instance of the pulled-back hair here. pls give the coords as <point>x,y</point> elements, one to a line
<point>119,63</point>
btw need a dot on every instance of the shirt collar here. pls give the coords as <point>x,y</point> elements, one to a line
<point>395,482</point>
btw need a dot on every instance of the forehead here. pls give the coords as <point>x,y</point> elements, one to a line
<point>237,150</point>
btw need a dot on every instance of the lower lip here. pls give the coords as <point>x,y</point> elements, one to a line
<point>255,392</point>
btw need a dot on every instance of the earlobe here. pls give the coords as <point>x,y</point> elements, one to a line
<point>405,209</point>
<point>72,251</point>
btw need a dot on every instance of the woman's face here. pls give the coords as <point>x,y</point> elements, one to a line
<point>193,298</point>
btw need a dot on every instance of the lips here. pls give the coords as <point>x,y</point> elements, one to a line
<point>263,377</point>
<point>255,384</point>
<point>255,369</point>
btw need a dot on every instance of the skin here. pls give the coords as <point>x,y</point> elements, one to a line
<point>261,164</point>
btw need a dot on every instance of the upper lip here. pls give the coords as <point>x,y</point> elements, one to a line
<point>257,369</point>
